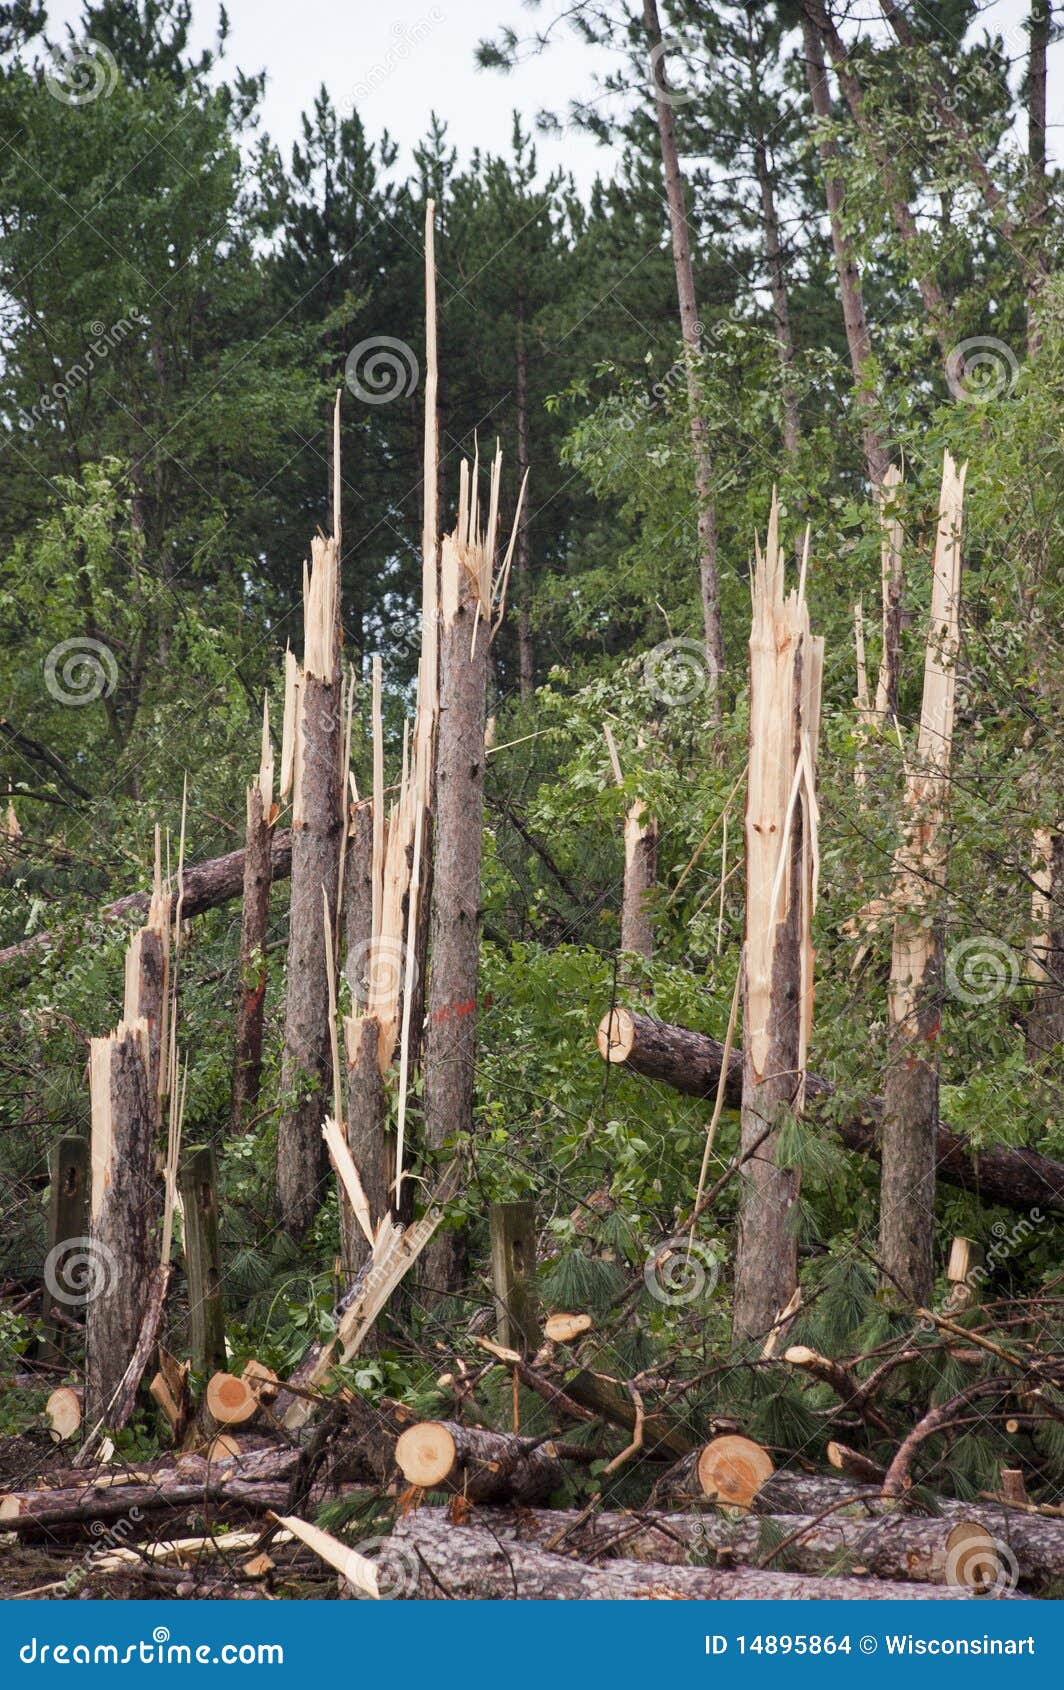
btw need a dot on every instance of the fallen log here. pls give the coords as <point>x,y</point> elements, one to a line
<point>479,1465</point>
<point>27,1512</point>
<point>968,1554</point>
<point>204,886</point>
<point>471,1563</point>
<point>690,1063</point>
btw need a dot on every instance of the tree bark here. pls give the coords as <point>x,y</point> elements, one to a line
<point>918,251</point>
<point>1045,1022</point>
<point>306,1073</point>
<point>640,878</point>
<point>472,1562</point>
<point>690,1062</point>
<point>251,979</point>
<point>479,1465</point>
<point>365,1104</point>
<point>690,329</point>
<point>126,1199</point>
<point>205,886</point>
<point>891,1546</point>
<point>458,821</point>
<point>1040,22</point>
<point>858,339</point>
<point>909,1134</point>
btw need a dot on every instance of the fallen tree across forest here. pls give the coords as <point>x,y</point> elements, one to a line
<point>204,886</point>
<point>690,1063</point>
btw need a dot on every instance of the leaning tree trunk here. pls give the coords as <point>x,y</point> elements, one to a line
<point>910,1103</point>
<point>306,1073</point>
<point>785,673</point>
<point>709,569</point>
<point>855,322</point>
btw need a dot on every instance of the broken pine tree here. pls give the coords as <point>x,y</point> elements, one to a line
<point>910,1105</point>
<point>786,664</point>
<point>472,604</point>
<point>311,773</point>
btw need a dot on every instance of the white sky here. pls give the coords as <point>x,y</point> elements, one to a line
<point>400,59</point>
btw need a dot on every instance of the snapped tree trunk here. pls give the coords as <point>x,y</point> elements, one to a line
<point>786,664</point>
<point>690,329</point>
<point>910,1103</point>
<point>125,1200</point>
<point>365,1102</point>
<point>314,771</point>
<point>1045,1022</point>
<point>451,997</point>
<point>255,912</point>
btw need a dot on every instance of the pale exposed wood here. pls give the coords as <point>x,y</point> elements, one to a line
<point>477,1464</point>
<point>732,1469</point>
<point>262,1380</point>
<point>892,571</point>
<point>563,1328</point>
<point>348,1175</point>
<point>231,1401</point>
<point>63,1411</point>
<point>910,1119</point>
<point>356,1568</point>
<point>786,664</point>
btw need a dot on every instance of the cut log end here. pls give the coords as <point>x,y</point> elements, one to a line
<point>426,1454</point>
<point>616,1035</point>
<point>563,1328</point>
<point>732,1469</point>
<point>973,1557</point>
<point>230,1400</point>
<point>63,1411</point>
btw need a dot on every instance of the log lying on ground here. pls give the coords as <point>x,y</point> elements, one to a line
<point>690,1062</point>
<point>205,886</point>
<point>967,1555</point>
<point>477,1464</point>
<point>472,1562</point>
